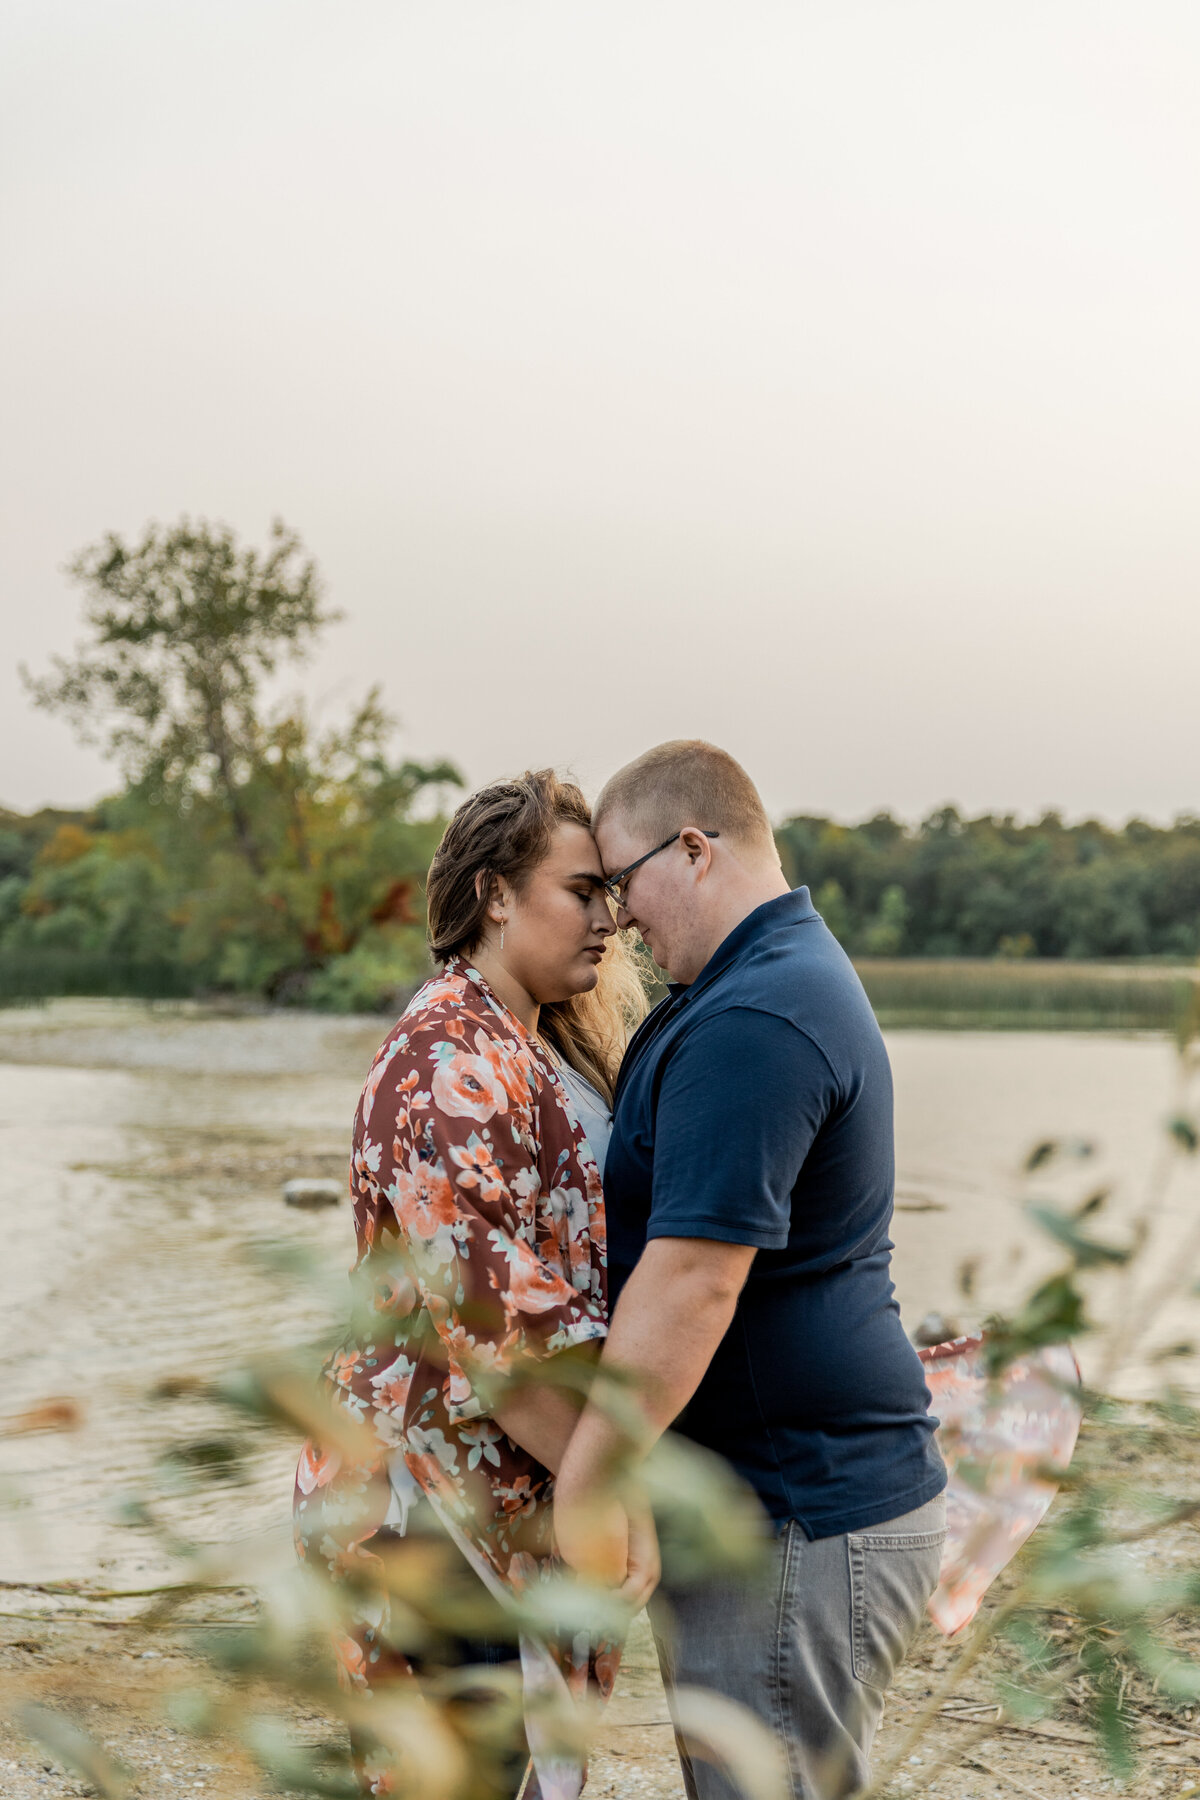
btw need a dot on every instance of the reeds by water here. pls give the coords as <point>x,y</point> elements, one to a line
<point>943,994</point>
<point>1038,995</point>
<point>53,974</point>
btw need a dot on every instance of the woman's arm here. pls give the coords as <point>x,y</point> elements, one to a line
<point>541,1419</point>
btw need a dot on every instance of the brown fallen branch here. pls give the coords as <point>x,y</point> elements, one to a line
<point>1002,1724</point>
<point>1058,1737</point>
<point>59,1414</point>
<point>77,1591</point>
<point>973,1762</point>
<point>1180,1731</point>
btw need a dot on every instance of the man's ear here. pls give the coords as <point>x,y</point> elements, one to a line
<point>698,848</point>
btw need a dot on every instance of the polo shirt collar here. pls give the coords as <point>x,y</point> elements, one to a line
<point>794,908</point>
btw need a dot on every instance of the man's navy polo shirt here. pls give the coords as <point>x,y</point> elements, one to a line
<point>755,1107</point>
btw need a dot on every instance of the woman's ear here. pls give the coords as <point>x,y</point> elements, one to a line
<point>497,894</point>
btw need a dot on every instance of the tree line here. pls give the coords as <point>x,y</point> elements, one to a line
<point>248,851</point>
<point>993,887</point>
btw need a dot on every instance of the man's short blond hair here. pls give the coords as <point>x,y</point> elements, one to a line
<point>686,782</point>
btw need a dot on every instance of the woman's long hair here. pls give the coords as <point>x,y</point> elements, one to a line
<point>504,831</point>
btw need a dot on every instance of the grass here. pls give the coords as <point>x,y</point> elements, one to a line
<point>53,974</point>
<point>943,994</point>
<point>961,994</point>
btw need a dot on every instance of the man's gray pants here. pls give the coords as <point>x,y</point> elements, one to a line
<point>811,1651</point>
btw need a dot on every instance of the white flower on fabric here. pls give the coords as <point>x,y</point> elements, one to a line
<point>482,1439</point>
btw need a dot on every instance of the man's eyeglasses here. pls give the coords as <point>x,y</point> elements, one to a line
<point>617,885</point>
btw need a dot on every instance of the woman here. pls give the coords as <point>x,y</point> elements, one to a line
<point>479,1216</point>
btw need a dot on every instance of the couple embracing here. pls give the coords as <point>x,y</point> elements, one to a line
<point>702,1208</point>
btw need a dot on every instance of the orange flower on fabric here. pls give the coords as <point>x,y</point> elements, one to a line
<point>467,1087</point>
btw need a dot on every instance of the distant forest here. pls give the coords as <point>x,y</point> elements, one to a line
<point>248,852</point>
<point>113,900</point>
<point>953,886</point>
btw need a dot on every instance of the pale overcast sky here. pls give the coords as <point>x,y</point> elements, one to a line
<point>823,379</point>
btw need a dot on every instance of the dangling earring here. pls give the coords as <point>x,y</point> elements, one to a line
<point>502,934</point>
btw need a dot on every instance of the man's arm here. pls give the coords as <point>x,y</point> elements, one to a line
<point>675,1309</point>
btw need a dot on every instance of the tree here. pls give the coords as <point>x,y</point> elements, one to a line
<point>884,936</point>
<point>184,627</point>
<point>264,850</point>
<point>830,902</point>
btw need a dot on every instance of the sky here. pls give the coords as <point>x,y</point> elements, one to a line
<point>820,380</point>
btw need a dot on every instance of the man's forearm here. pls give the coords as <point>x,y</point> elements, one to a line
<point>672,1315</point>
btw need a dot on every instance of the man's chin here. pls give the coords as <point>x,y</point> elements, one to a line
<point>656,959</point>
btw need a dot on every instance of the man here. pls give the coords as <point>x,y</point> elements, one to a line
<point>749,1194</point>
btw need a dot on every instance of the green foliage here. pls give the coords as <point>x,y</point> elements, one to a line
<point>884,935</point>
<point>988,886</point>
<point>247,851</point>
<point>183,627</point>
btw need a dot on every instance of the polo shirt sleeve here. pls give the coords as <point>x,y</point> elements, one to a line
<point>742,1099</point>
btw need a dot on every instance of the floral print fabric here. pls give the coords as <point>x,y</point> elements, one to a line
<point>998,1437</point>
<point>479,1219</point>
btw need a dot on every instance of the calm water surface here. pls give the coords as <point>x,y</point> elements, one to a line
<point>141,1158</point>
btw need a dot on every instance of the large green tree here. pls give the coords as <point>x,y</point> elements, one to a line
<point>182,628</point>
<point>268,849</point>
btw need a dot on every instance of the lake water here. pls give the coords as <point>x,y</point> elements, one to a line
<point>142,1152</point>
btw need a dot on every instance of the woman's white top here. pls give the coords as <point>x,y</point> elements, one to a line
<point>592,1110</point>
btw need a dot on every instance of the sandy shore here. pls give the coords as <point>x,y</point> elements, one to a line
<point>120,1678</point>
<point>145,1238</point>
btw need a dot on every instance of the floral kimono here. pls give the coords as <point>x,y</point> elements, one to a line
<point>1002,1439</point>
<point>479,1217</point>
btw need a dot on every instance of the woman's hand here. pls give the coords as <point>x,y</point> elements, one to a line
<point>591,1529</point>
<point>606,1543</point>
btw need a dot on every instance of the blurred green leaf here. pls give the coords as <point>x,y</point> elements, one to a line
<point>1063,1227</point>
<point>1050,1148</point>
<point>208,1458</point>
<point>1053,1314</point>
<point>709,1521</point>
<point>1092,1204</point>
<point>64,1739</point>
<point>1185,1133</point>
